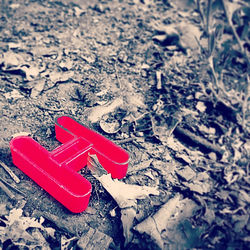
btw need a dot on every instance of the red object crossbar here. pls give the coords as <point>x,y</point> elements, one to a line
<point>56,170</point>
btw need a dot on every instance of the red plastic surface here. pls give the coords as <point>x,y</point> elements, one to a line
<point>56,170</point>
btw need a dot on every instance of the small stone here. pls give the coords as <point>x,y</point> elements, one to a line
<point>144,73</point>
<point>212,156</point>
<point>186,173</point>
<point>198,95</point>
<point>122,56</point>
<point>112,212</point>
<point>201,107</point>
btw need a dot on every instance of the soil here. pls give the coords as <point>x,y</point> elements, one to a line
<point>75,58</point>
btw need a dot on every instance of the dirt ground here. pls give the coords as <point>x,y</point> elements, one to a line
<point>138,73</point>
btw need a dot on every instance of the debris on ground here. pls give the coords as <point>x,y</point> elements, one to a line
<point>166,80</point>
<point>163,226</point>
<point>125,195</point>
<point>94,239</point>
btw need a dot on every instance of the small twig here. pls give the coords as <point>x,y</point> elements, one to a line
<point>6,190</point>
<point>10,172</point>
<point>198,140</point>
<point>245,103</point>
<point>125,140</point>
<point>12,187</point>
<point>49,109</point>
<point>117,76</point>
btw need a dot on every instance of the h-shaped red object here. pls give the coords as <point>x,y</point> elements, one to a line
<point>56,171</point>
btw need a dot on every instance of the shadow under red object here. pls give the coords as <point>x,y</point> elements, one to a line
<point>56,170</point>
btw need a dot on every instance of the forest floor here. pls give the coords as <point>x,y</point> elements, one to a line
<point>165,80</point>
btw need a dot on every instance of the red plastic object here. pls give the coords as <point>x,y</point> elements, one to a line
<point>56,171</point>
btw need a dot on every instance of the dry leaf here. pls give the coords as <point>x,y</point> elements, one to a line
<point>186,173</point>
<point>109,124</point>
<point>127,218</point>
<point>141,166</point>
<point>201,184</point>
<point>99,111</point>
<point>16,226</point>
<point>125,194</point>
<point>166,219</point>
<point>184,5</point>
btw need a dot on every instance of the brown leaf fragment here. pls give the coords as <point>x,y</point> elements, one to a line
<point>162,128</point>
<point>186,173</point>
<point>94,239</point>
<point>166,219</point>
<point>39,240</point>
<point>141,166</point>
<point>67,243</point>
<point>16,226</point>
<point>201,107</point>
<point>98,111</point>
<point>109,124</point>
<point>127,218</point>
<point>184,5</point>
<point>125,194</point>
<point>38,88</point>
<point>240,221</point>
<point>201,184</point>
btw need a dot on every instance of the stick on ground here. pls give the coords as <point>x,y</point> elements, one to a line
<point>10,172</point>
